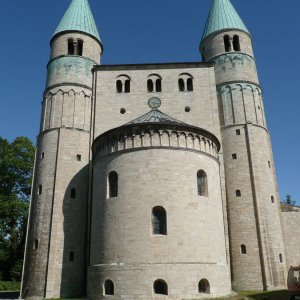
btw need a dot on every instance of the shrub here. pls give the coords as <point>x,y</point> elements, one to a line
<point>9,286</point>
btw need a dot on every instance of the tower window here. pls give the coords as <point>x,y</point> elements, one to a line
<point>71,47</point>
<point>73,194</point>
<point>227,43</point>
<point>243,249</point>
<point>269,164</point>
<point>238,193</point>
<point>160,287</point>
<point>80,47</point>
<point>150,85</point>
<point>119,86</point>
<point>71,256</point>
<point>122,111</point>
<point>236,43</point>
<point>40,189</point>
<point>159,220</point>
<point>280,258</point>
<point>187,109</point>
<point>78,157</point>
<point>202,183</point>
<point>189,84</point>
<point>158,85</point>
<point>234,156</point>
<point>181,85</point>
<point>238,132</point>
<point>109,288</point>
<point>203,286</point>
<point>35,245</point>
<point>272,199</point>
<point>42,155</point>
<point>113,184</point>
<point>127,86</point>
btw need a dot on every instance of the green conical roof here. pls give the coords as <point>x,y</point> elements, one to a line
<point>78,17</point>
<point>222,16</point>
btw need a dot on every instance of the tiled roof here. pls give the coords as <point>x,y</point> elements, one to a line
<point>78,17</point>
<point>222,16</point>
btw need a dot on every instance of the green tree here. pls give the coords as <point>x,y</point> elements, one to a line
<point>288,204</point>
<point>16,163</point>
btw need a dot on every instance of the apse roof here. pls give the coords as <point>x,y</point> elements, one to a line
<point>222,16</point>
<point>78,17</point>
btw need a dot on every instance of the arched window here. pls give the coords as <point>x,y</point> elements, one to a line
<point>243,249</point>
<point>160,287</point>
<point>113,184</point>
<point>189,84</point>
<point>80,47</point>
<point>236,43</point>
<point>202,183</point>
<point>238,193</point>
<point>204,286</point>
<point>272,199</point>
<point>127,86</point>
<point>109,288</point>
<point>227,43</point>
<point>181,85</point>
<point>280,258</point>
<point>73,194</point>
<point>70,47</point>
<point>158,85</point>
<point>150,85</point>
<point>159,220</point>
<point>119,86</point>
<point>71,256</point>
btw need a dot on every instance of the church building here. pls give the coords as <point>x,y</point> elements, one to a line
<point>154,180</point>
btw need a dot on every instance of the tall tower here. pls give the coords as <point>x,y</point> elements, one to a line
<point>55,258</point>
<point>257,251</point>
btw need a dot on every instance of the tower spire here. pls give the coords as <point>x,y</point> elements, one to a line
<point>223,16</point>
<point>78,17</point>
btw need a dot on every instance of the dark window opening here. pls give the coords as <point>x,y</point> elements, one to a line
<point>160,287</point>
<point>150,85</point>
<point>238,193</point>
<point>122,111</point>
<point>127,86</point>
<point>73,194</point>
<point>238,132</point>
<point>71,256</point>
<point>190,84</point>
<point>280,258</point>
<point>80,47</point>
<point>227,43</point>
<point>71,47</point>
<point>202,183</point>
<point>158,85</point>
<point>159,220</point>
<point>243,249</point>
<point>43,155</point>
<point>40,189</point>
<point>181,84</point>
<point>269,164</point>
<point>119,86</point>
<point>236,43</point>
<point>113,184</point>
<point>204,286</point>
<point>272,199</point>
<point>109,288</point>
<point>187,109</point>
<point>35,244</point>
<point>78,157</point>
<point>234,156</point>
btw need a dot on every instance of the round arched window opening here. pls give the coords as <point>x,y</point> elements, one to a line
<point>109,288</point>
<point>204,286</point>
<point>160,287</point>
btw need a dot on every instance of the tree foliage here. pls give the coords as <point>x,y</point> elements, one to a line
<point>288,204</point>
<point>16,164</point>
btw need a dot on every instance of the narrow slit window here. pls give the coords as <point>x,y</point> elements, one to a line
<point>272,199</point>
<point>71,256</point>
<point>109,288</point>
<point>181,85</point>
<point>113,184</point>
<point>227,43</point>
<point>238,193</point>
<point>189,84</point>
<point>150,85</point>
<point>159,221</point>
<point>70,47</point>
<point>160,287</point>
<point>280,258</point>
<point>40,189</point>
<point>202,184</point>
<point>236,43</point>
<point>158,85</point>
<point>73,194</point>
<point>243,249</point>
<point>80,47</point>
<point>35,244</point>
<point>269,164</point>
<point>127,86</point>
<point>204,286</point>
<point>119,86</point>
<point>43,155</point>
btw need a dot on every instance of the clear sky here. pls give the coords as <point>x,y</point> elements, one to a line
<point>144,31</point>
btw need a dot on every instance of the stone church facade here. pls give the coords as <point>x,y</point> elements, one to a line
<point>154,180</point>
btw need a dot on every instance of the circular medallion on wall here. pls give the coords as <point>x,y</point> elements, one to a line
<point>154,103</point>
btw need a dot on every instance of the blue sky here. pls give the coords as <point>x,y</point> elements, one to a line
<point>140,31</point>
